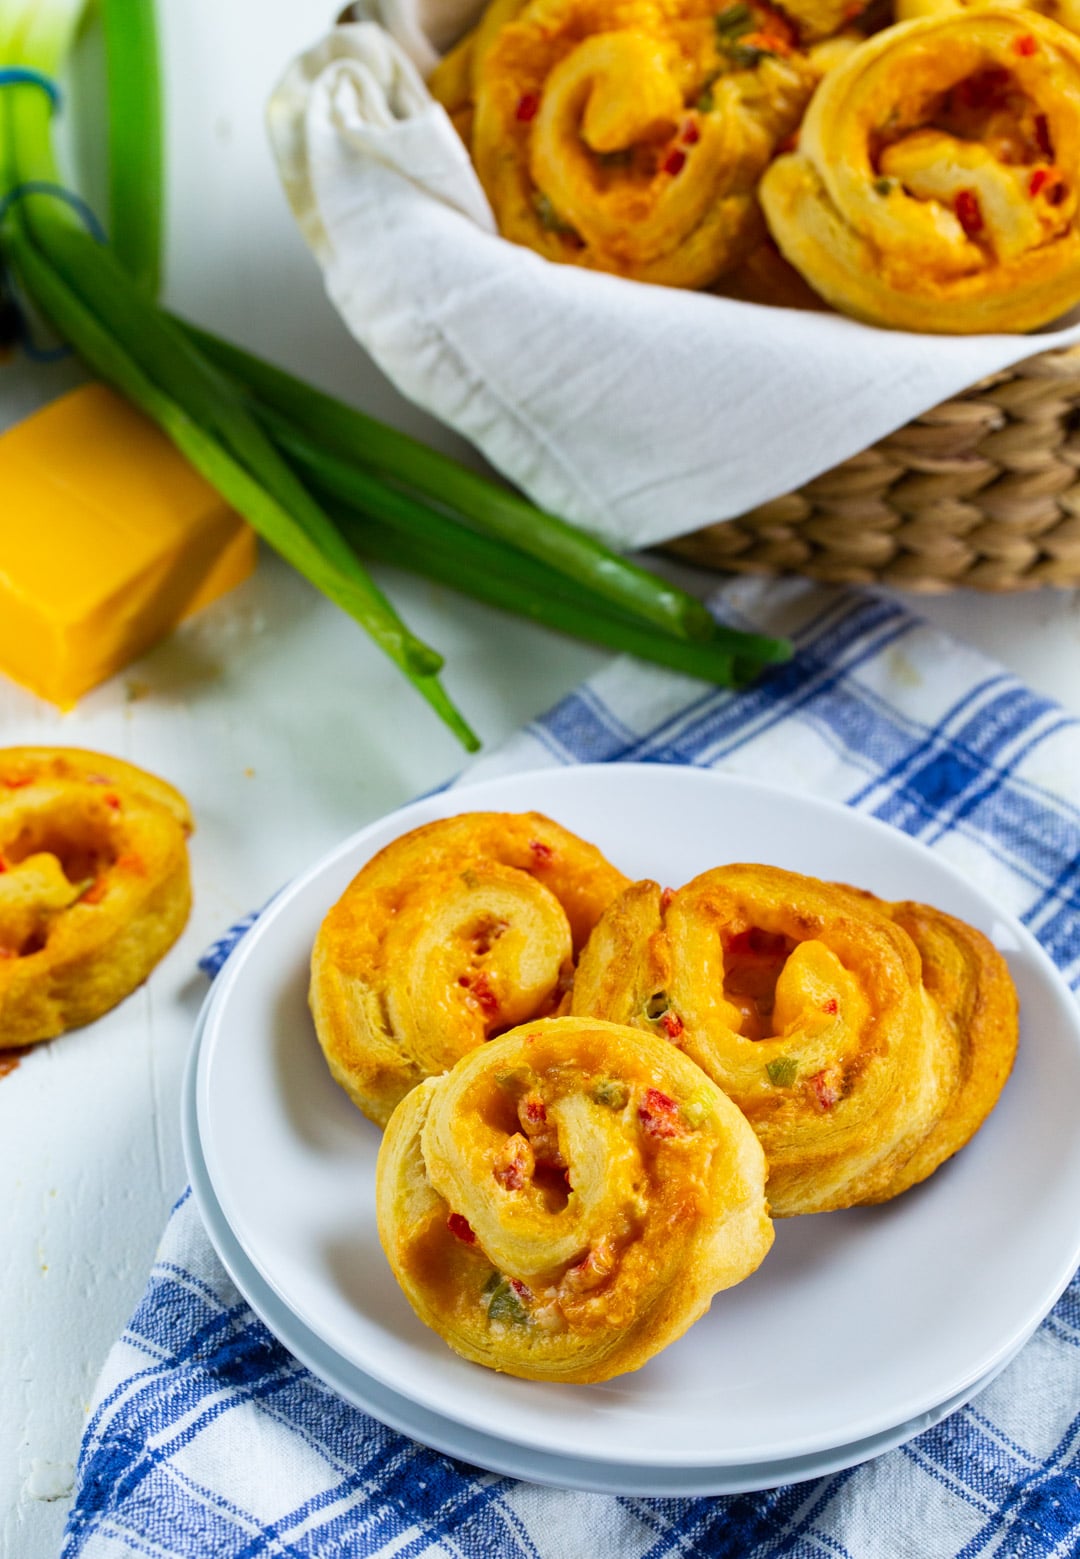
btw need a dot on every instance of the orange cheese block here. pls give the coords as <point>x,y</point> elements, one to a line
<point>108,538</point>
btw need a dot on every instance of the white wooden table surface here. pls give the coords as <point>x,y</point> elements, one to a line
<point>286,730</point>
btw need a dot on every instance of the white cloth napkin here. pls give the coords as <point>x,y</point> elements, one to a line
<point>640,412</point>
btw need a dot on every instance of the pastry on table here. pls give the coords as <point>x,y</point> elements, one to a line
<point>453,932</point>
<point>567,1200</point>
<point>934,185</point>
<point>94,885</point>
<point>864,1041</point>
<point>629,136</point>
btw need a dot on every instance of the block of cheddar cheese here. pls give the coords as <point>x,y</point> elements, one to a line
<point>108,538</point>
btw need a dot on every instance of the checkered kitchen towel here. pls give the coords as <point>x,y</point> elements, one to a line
<point>208,1439</point>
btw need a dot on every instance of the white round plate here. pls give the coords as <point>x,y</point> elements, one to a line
<point>856,1321</point>
<point>486,1451</point>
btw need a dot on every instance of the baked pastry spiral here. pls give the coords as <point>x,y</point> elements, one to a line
<point>567,1200</point>
<point>453,82</point>
<point>864,1041</point>
<point>935,185</point>
<point>94,885</point>
<point>1067,12</point>
<point>629,135</point>
<point>452,933</point>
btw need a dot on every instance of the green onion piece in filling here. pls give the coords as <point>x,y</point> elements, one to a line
<point>550,220</point>
<point>515,1082</point>
<point>734,22</point>
<point>503,1305</point>
<point>745,56</point>
<point>612,1092</point>
<point>783,1071</point>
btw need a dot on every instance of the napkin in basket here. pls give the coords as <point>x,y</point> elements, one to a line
<point>641,412</point>
<point>207,1439</point>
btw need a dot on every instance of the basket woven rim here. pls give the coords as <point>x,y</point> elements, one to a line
<point>981,492</point>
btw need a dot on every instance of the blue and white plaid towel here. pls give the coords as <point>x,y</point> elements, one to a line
<point>208,1439</point>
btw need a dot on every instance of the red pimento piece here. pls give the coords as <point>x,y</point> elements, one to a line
<point>528,104</point>
<point>968,212</point>
<point>659,1115</point>
<point>532,1112</point>
<point>95,892</point>
<point>690,135</point>
<point>487,998</point>
<point>674,162</point>
<point>522,1290</point>
<point>3,864</point>
<point>543,852</point>
<point>830,1006</point>
<point>511,1175</point>
<point>1025,46</point>
<point>1042,135</point>
<point>665,900</point>
<point>673,1024</point>
<point>1038,180</point>
<point>112,800</point>
<point>826,1093</point>
<point>461,1228</point>
<point>17,784</point>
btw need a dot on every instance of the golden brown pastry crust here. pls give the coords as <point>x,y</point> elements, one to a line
<point>629,135</point>
<point>566,1201</point>
<point>94,889</point>
<point>453,82</point>
<point>860,1064</point>
<point>1067,12</point>
<point>454,932</point>
<point>934,185</point>
<point>969,983</point>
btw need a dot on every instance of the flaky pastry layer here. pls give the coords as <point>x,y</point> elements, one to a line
<point>568,1199</point>
<point>454,932</point>
<point>864,1041</point>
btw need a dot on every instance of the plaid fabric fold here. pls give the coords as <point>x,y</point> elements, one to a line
<point>207,1438</point>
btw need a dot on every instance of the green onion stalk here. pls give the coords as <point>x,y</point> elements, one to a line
<point>133,345</point>
<point>320,481</point>
<point>135,161</point>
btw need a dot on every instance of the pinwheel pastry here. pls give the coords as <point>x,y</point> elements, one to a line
<point>934,186</point>
<point>1067,12</point>
<point>567,1200</point>
<point>452,933</point>
<point>94,885</point>
<point>864,1041</point>
<point>628,135</point>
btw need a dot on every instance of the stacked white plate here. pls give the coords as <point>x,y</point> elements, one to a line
<point>860,1329</point>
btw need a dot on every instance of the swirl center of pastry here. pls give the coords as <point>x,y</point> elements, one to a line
<point>54,848</point>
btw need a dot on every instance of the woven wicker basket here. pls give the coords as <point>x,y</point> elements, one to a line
<point>982,492</point>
